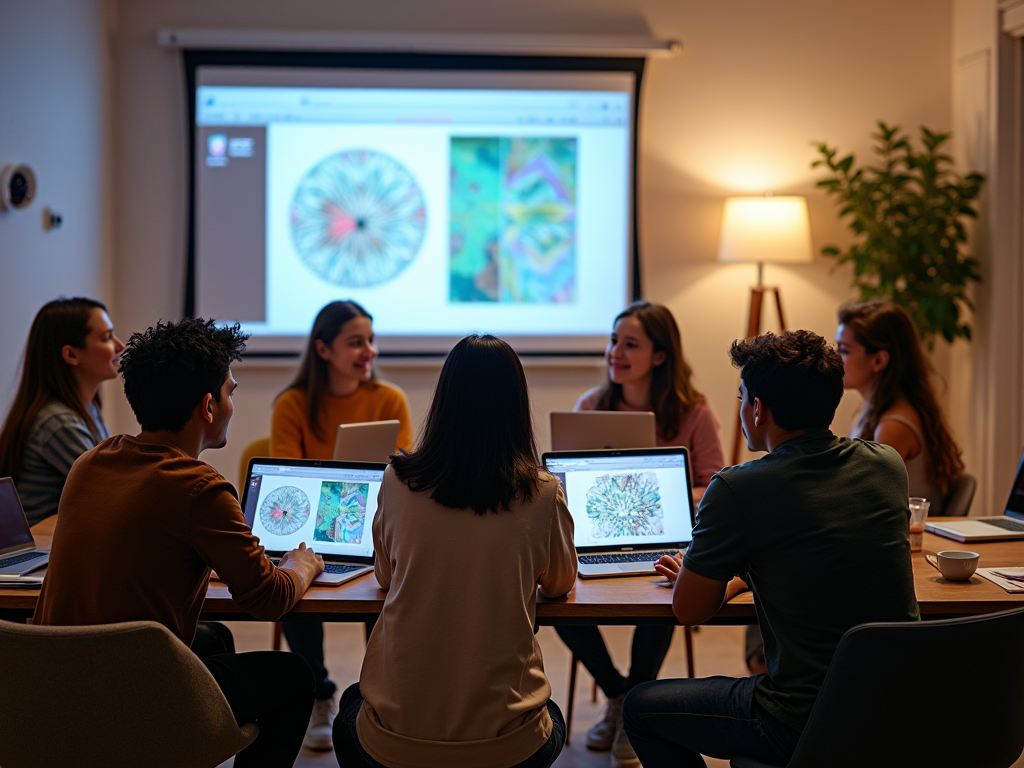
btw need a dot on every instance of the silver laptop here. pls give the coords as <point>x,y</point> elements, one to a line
<point>18,553</point>
<point>329,505</point>
<point>629,507</point>
<point>588,430</point>
<point>366,440</point>
<point>1009,525</point>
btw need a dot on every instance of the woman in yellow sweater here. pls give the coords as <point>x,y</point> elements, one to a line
<point>336,384</point>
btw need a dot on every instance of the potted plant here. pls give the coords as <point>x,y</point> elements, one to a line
<point>907,215</point>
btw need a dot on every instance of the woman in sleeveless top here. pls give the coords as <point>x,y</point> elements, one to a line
<point>885,363</point>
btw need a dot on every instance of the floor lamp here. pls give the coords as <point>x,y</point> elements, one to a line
<point>763,230</point>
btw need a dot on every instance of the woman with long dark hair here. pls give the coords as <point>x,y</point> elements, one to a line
<point>336,384</point>
<point>885,363</point>
<point>55,416</point>
<point>466,527</point>
<point>646,372</point>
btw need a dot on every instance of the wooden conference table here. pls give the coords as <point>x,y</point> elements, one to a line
<point>629,600</point>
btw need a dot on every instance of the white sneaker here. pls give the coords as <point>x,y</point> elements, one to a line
<point>601,736</point>
<point>623,755</point>
<point>320,731</point>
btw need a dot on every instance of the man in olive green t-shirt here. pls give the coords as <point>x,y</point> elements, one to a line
<point>818,528</point>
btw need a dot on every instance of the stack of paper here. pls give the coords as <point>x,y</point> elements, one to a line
<point>1009,578</point>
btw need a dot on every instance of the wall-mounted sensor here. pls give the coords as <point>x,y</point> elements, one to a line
<point>17,187</point>
<point>52,219</point>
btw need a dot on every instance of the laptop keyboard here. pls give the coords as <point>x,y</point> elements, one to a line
<point>19,559</point>
<point>329,567</point>
<point>339,568</point>
<point>626,557</point>
<point>1006,524</point>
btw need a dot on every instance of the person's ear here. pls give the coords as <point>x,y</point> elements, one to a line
<point>322,350</point>
<point>880,361</point>
<point>206,408</point>
<point>69,354</point>
<point>758,412</point>
<point>659,358</point>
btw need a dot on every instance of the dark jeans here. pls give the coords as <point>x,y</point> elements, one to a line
<point>212,638</point>
<point>674,722</point>
<point>351,755</point>
<point>273,690</point>
<point>650,645</point>
<point>306,640</point>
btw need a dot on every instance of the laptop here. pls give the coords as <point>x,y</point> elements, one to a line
<point>587,430</point>
<point>629,507</point>
<point>366,440</point>
<point>327,504</point>
<point>18,553</point>
<point>1009,525</point>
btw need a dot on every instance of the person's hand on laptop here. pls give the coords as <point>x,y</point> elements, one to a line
<point>669,566</point>
<point>305,562</point>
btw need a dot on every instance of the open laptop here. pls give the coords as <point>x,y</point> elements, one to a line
<point>629,507</point>
<point>327,504</point>
<point>1009,525</point>
<point>366,440</point>
<point>18,553</point>
<point>587,430</point>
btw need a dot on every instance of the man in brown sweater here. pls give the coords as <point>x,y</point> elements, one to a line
<point>142,521</point>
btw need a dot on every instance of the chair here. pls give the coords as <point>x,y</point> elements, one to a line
<point>118,695</point>
<point>934,694</point>
<point>258,447</point>
<point>574,665</point>
<point>960,496</point>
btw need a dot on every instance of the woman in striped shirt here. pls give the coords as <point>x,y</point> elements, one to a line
<point>55,416</point>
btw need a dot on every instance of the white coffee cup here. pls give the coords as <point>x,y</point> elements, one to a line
<point>955,564</point>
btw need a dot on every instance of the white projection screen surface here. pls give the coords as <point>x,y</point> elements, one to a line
<point>445,202</point>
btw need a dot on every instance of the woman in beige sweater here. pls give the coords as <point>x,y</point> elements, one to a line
<point>466,528</point>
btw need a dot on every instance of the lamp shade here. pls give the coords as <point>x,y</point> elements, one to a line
<point>765,229</point>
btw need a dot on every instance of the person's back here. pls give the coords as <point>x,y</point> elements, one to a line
<point>453,657</point>
<point>821,524</point>
<point>140,525</point>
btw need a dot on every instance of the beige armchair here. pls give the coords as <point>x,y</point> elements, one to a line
<point>110,695</point>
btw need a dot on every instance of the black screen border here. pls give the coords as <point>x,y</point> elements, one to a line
<point>192,59</point>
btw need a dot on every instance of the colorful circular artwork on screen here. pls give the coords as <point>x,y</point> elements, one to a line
<point>358,218</point>
<point>285,510</point>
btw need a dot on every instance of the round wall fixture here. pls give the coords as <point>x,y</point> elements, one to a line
<point>17,187</point>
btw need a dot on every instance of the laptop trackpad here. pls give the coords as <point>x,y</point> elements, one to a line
<point>637,567</point>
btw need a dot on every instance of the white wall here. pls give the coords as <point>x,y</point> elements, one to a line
<point>736,113</point>
<point>54,116</point>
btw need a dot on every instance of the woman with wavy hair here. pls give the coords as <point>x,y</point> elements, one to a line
<point>884,362</point>
<point>646,372</point>
<point>55,416</point>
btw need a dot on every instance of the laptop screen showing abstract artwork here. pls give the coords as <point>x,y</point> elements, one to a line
<point>328,505</point>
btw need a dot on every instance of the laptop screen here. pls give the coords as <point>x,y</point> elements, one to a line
<point>626,498</point>
<point>326,505</point>
<point>1015,506</point>
<point>14,532</point>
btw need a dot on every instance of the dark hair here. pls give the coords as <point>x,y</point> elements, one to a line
<point>169,369</point>
<point>478,450</point>
<point>797,375</point>
<point>672,392</point>
<point>881,325</point>
<point>312,376</point>
<point>46,377</point>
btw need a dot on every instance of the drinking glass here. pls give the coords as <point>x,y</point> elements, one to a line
<point>918,515</point>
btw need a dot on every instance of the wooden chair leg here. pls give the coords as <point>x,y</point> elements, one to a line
<point>278,631</point>
<point>688,642</point>
<point>572,695</point>
<point>593,692</point>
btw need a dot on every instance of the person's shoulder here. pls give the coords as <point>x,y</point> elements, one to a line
<point>869,451</point>
<point>588,400</point>
<point>54,415</point>
<point>293,397</point>
<point>386,390</point>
